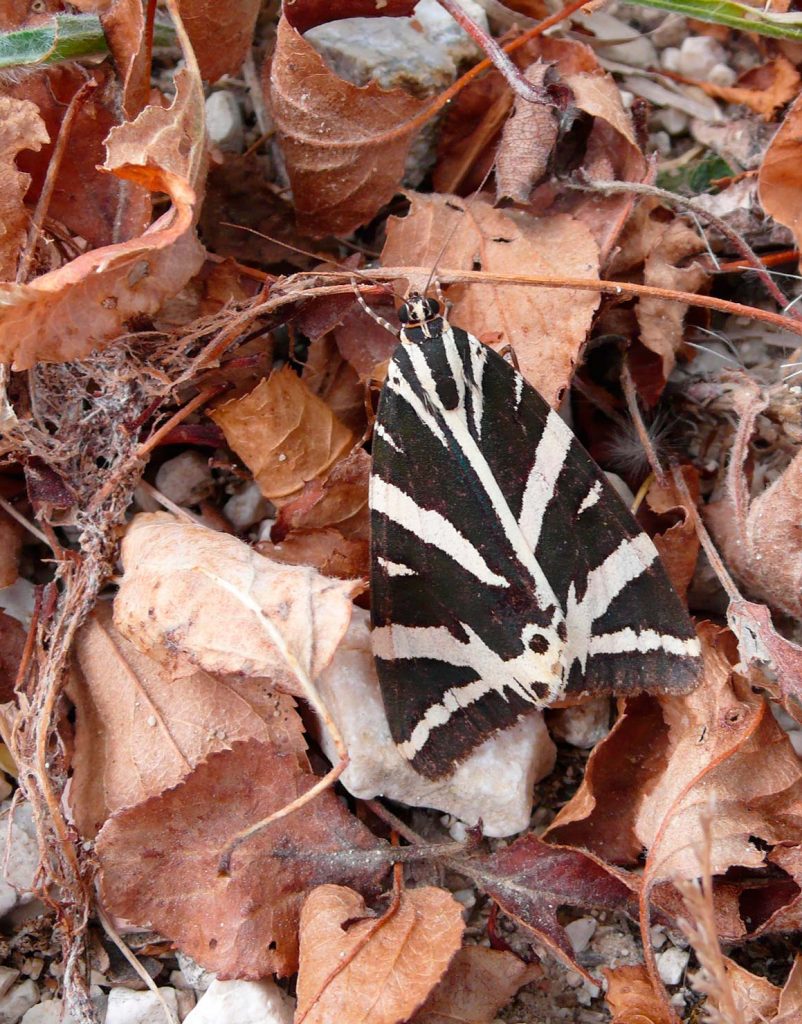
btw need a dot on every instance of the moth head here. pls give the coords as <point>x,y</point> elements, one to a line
<point>418,309</point>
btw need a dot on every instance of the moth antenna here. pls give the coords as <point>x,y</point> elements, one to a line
<point>372,313</point>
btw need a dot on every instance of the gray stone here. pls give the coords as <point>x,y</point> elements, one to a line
<point>197,977</point>
<point>671,964</point>
<point>224,121</point>
<point>494,784</point>
<point>243,1002</point>
<point>583,725</point>
<point>18,869</point>
<point>698,55</point>
<point>580,932</point>
<point>246,507</point>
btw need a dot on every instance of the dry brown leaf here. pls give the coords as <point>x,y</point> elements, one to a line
<point>21,128</point>
<point>11,535</point>
<point>619,775</point>
<point>284,434</point>
<point>526,142</point>
<point>632,998</point>
<point>341,500</point>
<point>220,34</point>
<point>780,175</point>
<point>344,146</point>
<point>678,546</point>
<point>326,549</point>
<point>192,598</point>
<point>329,375</point>
<point>478,982</point>
<point>731,774</point>
<point>763,89</point>
<point>389,966</point>
<point>761,541</point>
<point>306,14</point>
<point>67,312</point>
<point>159,860</point>
<point>138,731</point>
<point>546,327</point>
<point>12,645</point>
<point>100,207</point>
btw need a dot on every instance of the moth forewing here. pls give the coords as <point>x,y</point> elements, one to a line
<point>506,573</point>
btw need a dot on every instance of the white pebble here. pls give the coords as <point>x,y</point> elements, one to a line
<point>580,932</point>
<point>246,507</point>
<point>671,965</point>
<point>657,936</point>
<point>129,1007</point>
<point>674,121</point>
<point>722,74</point>
<point>186,479</point>
<point>21,861</point>
<point>224,121</point>
<point>661,142</point>
<point>243,1002</point>
<point>8,975</point>
<point>698,56</point>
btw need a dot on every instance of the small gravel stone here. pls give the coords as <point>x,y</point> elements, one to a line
<point>17,1001</point>
<point>186,479</point>
<point>198,978</point>
<point>580,932</point>
<point>20,864</point>
<point>657,936</point>
<point>243,1002</point>
<point>246,507</point>
<point>671,120</point>
<point>671,965</point>
<point>128,1007</point>
<point>224,121</point>
<point>7,978</point>
<point>722,74</point>
<point>661,141</point>
<point>698,55</point>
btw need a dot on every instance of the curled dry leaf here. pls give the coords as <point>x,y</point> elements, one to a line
<point>547,327</point>
<point>358,968</point>
<point>284,434</point>
<point>526,143</point>
<point>632,998</point>
<point>780,175</point>
<point>192,598</point>
<point>159,860</point>
<point>678,545</point>
<point>530,880</point>
<point>764,89</point>
<point>12,645</point>
<point>760,539</point>
<point>21,128</point>
<point>220,34</point>
<point>138,731</point>
<point>340,500</point>
<point>478,982</point>
<point>344,146</point>
<point>67,312</point>
<point>10,547</point>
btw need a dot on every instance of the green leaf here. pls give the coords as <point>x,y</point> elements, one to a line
<point>734,15</point>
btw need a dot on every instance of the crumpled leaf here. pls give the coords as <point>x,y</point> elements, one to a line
<point>340,500</point>
<point>780,175</point>
<point>678,546</point>
<point>760,539</point>
<point>344,145</point>
<point>139,732</point>
<point>527,140</point>
<point>192,598</point>
<point>323,548</point>
<point>530,880</point>
<point>21,128</point>
<point>10,548</point>
<point>284,433</point>
<point>12,645</point>
<point>632,998</point>
<point>67,312</point>
<point>478,982</point>
<point>220,34</point>
<point>306,14</point>
<point>547,327</point>
<point>389,965</point>
<point>159,860</point>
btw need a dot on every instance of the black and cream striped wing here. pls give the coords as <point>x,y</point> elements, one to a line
<point>506,572</point>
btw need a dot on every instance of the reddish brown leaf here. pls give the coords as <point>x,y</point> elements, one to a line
<point>286,435</point>
<point>632,998</point>
<point>344,146</point>
<point>341,500</point>
<point>138,731</point>
<point>678,546</point>
<point>530,880</point>
<point>780,177</point>
<point>193,598</point>
<point>159,860</point>
<point>10,547</point>
<point>620,772</point>
<point>66,313</point>
<point>21,128</point>
<point>390,965</point>
<point>324,549</point>
<point>305,14</point>
<point>526,142</point>
<point>546,327</point>
<point>478,983</point>
<point>763,89</point>
<point>220,34</point>
<point>12,644</point>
